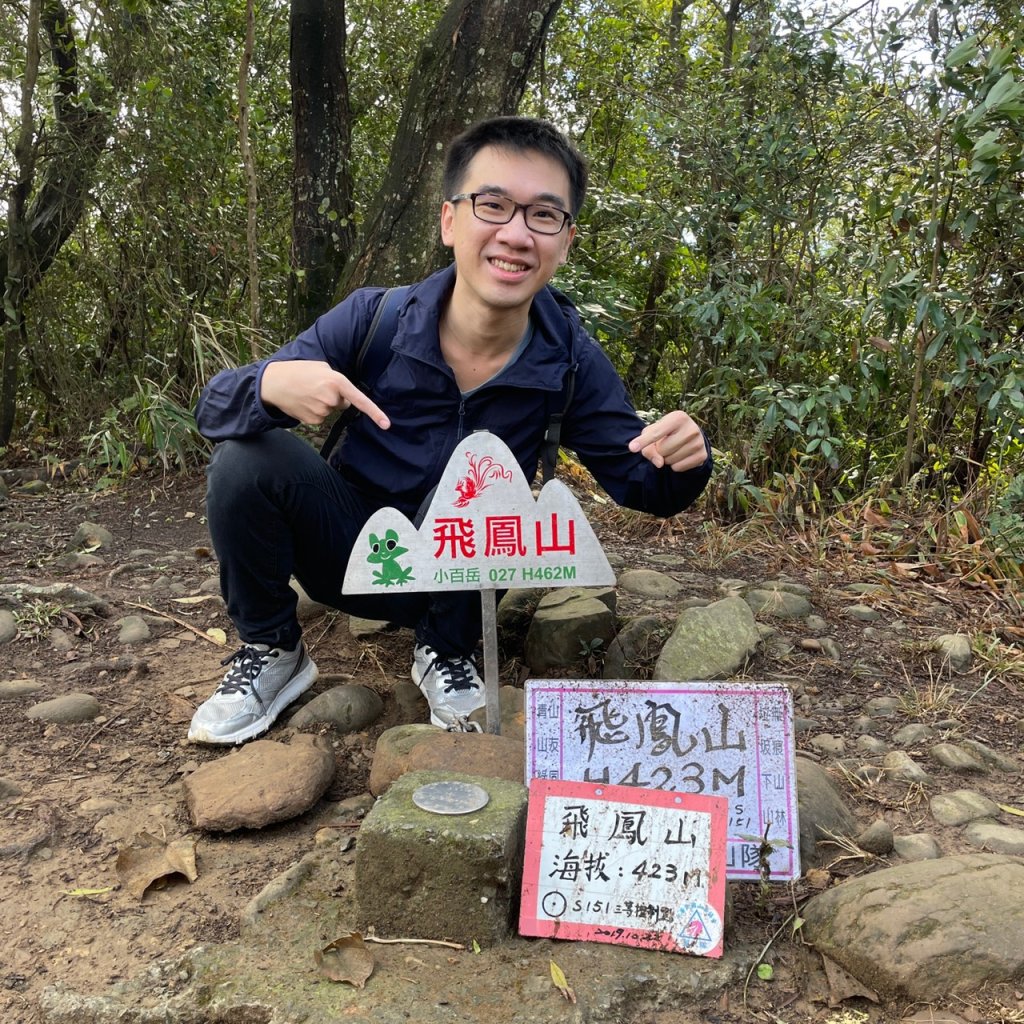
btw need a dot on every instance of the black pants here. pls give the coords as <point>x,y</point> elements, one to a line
<point>276,509</point>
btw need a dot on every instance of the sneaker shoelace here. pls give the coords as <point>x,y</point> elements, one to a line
<point>458,673</point>
<point>246,665</point>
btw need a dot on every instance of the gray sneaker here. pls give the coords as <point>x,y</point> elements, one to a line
<point>452,687</point>
<point>261,682</point>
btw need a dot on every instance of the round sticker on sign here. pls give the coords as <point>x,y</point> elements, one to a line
<point>697,928</point>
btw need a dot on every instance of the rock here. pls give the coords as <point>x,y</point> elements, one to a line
<point>91,535</point>
<point>635,648</point>
<point>134,630</point>
<point>349,708</point>
<point>69,709</point>
<point>872,745</point>
<point>916,846</point>
<point>362,628</point>
<point>259,784</point>
<point>8,626</point>
<point>649,583</point>
<point>961,806</point>
<point>864,725</point>
<point>913,734</point>
<point>407,748</point>
<point>990,835</point>
<point>829,744</point>
<point>9,789</point>
<point>877,838</point>
<point>566,626</point>
<point>862,613</point>
<point>61,640</point>
<point>514,614</point>
<point>955,649</point>
<point>99,805</point>
<point>904,931</point>
<point>12,689</point>
<point>512,701</point>
<point>822,810</point>
<point>830,648</point>
<point>882,707</point>
<point>900,766</point>
<point>442,876</point>
<point>949,755</point>
<point>709,643</point>
<point>816,624</point>
<point>305,607</point>
<point>990,757</point>
<point>778,604</point>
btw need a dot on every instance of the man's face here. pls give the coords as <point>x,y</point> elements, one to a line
<point>502,266</point>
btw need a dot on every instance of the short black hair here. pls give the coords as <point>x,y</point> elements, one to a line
<point>518,134</point>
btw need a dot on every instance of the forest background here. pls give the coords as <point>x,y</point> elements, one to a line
<point>806,224</point>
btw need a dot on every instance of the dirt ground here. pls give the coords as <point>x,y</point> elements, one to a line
<point>88,790</point>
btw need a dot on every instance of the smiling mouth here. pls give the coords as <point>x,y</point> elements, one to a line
<point>508,266</point>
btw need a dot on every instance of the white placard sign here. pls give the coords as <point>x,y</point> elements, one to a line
<point>483,531</point>
<point>732,740</point>
<point>628,866</point>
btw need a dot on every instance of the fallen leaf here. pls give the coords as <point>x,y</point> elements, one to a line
<point>345,959</point>
<point>1011,810</point>
<point>563,986</point>
<point>195,599</point>
<point>818,878</point>
<point>218,636</point>
<point>842,985</point>
<point>87,892</point>
<point>150,861</point>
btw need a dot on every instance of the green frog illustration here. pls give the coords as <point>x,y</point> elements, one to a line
<point>385,552</point>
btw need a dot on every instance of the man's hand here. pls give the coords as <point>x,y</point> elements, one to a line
<point>309,391</point>
<point>674,441</point>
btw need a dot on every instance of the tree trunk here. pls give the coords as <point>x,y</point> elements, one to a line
<point>17,268</point>
<point>648,343</point>
<point>249,165</point>
<point>474,65</point>
<point>41,225</point>
<point>323,229</point>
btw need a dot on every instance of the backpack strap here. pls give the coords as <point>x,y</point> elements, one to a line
<point>371,359</point>
<point>553,435</point>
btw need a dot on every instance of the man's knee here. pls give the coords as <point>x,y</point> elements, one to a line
<point>242,466</point>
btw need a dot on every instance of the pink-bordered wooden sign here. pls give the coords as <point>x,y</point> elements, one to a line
<point>633,867</point>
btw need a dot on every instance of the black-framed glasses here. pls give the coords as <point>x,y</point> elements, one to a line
<point>495,209</point>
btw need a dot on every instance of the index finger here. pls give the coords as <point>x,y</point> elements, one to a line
<point>362,401</point>
<point>651,433</point>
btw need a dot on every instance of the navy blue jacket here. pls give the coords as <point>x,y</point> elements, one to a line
<point>429,415</point>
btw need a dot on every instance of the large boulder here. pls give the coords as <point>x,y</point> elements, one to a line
<point>926,930</point>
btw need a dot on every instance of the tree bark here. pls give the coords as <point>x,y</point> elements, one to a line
<point>474,65</point>
<point>44,222</point>
<point>323,230</point>
<point>249,165</point>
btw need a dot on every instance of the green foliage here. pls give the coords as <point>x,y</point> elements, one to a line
<point>148,422</point>
<point>808,233</point>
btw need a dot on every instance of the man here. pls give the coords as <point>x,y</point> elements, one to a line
<point>484,344</point>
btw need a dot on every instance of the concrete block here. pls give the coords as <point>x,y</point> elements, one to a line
<point>437,876</point>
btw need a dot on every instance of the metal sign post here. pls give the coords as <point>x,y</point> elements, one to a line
<point>492,695</point>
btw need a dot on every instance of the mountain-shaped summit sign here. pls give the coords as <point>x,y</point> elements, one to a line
<point>483,530</point>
